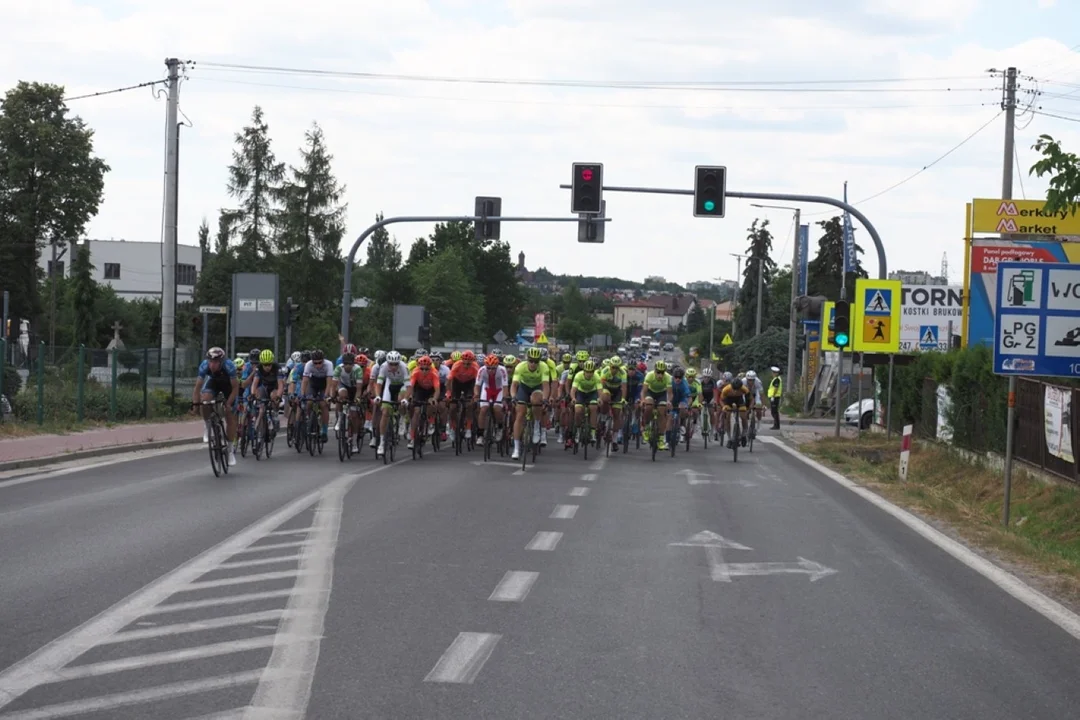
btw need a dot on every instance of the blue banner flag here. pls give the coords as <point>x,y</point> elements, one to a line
<point>804,252</point>
<point>849,239</point>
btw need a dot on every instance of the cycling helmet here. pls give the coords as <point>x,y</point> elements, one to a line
<point>751,375</point>
<point>660,366</point>
<point>678,373</point>
<point>295,356</point>
<point>497,352</point>
<point>736,384</point>
<point>727,377</point>
<point>544,355</point>
<point>305,357</point>
<point>215,353</point>
<point>393,357</point>
<point>605,362</point>
<point>642,367</point>
<point>365,351</point>
<point>380,356</point>
<point>615,362</point>
<point>350,349</point>
<point>567,358</point>
<point>455,356</point>
<point>266,357</point>
<point>589,366</point>
<point>707,372</point>
<point>509,361</point>
<point>240,361</point>
<point>436,356</point>
<point>492,360</point>
<point>533,354</point>
<point>424,362</point>
<point>254,355</point>
<point>362,359</point>
<point>348,359</point>
<point>691,373</point>
<point>582,355</point>
<point>468,356</point>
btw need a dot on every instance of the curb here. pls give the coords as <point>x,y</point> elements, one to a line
<point>95,452</point>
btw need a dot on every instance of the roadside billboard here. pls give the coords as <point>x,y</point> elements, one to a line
<point>925,312</point>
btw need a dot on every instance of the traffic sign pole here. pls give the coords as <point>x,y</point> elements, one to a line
<point>839,374</point>
<point>205,332</point>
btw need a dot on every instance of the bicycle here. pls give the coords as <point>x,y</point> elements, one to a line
<point>315,439</point>
<point>674,425</point>
<point>736,433</point>
<point>706,428</point>
<point>654,432</point>
<point>489,429</point>
<point>420,438</point>
<point>530,428</point>
<point>264,435</point>
<point>218,443</point>
<point>243,420</point>
<point>751,431</point>
<point>393,431</point>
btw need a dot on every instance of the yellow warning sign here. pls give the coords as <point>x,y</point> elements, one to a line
<point>727,339</point>
<point>542,340</point>
<point>877,316</point>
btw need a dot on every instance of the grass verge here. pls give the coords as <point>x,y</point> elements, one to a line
<point>1043,540</point>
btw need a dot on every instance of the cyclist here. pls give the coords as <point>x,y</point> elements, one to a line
<point>393,376</point>
<point>267,378</point>
<point>695,395</point>
<point>753,387</point>
<point>734,397</point>
<point>217,374</point>
<point>317,373</point>
<point>460,390</point>
<point>635,377</point>
<point>708,397</point>
<point>587,384</point>
<point>348,376</point>
<point>657,384</point>
<point>612,394</point>
<point>347,349</point>
<point>441,408</point>
<point>491,381</point>
<point>681,393</point>
<point>532,383</point>
<point>424,386</point>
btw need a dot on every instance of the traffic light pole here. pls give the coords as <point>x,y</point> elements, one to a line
<point>346,293</point>
<point>840,374</point>
<point>883,273</point>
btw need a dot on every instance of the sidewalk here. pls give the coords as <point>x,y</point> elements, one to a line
<point>43,449</point>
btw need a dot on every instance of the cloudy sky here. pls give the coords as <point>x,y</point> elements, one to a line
<point>764,88</point>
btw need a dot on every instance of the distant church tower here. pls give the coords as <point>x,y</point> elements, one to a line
<point>521,261</point>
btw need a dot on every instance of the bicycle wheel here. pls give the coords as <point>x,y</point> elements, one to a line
<point>689,432</point>
<point>342,441</point>
<point>260,434</point>
<point>527,440</point>
<point>271,434</point>
<point>736,431</point>
<point>586,437</point>
<point>312,432</point>
<point>243,430</point>
<point>654,435</point>
<point>215,440</point>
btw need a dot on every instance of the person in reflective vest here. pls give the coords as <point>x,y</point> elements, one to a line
<point>776,391</point>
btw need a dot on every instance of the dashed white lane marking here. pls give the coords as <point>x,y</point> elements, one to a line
<point>599,464</point>
<point>137,697</point>
<point>273,546</point>
<point>1050,609</point>
<point>514,586</point>
<point>544,541</point>
<point>564,512</point>
<point>295,644</point>
<point>579,492</point>
<point>464,659</point>
<point>588,477</point>
<point>297,531</point>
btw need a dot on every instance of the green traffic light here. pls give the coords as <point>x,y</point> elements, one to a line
<point>710,205</point>
<point>841,340</point>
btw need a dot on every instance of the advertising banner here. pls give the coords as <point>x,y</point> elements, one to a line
<point>925,312</point>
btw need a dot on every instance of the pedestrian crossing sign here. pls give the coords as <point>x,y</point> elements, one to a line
<point>928,337</point>
<point>877,320</point>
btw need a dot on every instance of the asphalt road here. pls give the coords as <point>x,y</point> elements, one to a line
<point>689,587</point>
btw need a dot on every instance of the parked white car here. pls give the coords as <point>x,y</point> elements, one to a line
<point>863,417</point>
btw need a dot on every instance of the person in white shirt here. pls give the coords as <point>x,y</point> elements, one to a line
<point>491,382</point>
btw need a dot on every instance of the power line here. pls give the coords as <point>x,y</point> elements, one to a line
<point>115,90</point>
<point>924,168</point>
<point>1052,115</point>
<point>729,86</point>
<point>571,103</point>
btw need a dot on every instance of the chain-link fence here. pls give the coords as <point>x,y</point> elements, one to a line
<point>67,385</point>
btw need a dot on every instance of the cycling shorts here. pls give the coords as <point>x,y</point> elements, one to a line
<point>463,389</point>
<point>524,392</point>
<point>586,398</point>
<point>390,392</point>
<point>616,393</point>
<point>215,384</point>
<point>485,389</point>
<point>422,395</point>
<point>660,398</point>
<point>633,392</point>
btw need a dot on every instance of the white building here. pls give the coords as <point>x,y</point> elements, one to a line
<point>133,269</point>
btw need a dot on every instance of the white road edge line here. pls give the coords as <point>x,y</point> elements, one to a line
<point>544,541</point>
<point>579,492</point>
<point>464,659</point>
<point>1050,609</point>
<point>514,586</point>
<point>564,512</point>
<point>43,664</point>
<point>21,476</point>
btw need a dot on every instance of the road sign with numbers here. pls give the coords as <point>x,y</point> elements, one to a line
<point>1037,326</point>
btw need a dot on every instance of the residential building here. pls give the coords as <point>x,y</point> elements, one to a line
<point>917,277</point>
<point>647,314</point>
<point>133,269</point>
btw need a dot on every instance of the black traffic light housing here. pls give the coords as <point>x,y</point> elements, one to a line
<point>591,227</point>
<point>842,324</point>
<point>423,333</point>
<point>587,188</point>
<point>710,183</point>
<point>487,207</point>
<point>292,315</point>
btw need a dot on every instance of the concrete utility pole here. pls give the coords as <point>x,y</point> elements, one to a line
<point>738,289</point>
<point>1009,106</point>
<point>793,319</point>
<point>168,261</point>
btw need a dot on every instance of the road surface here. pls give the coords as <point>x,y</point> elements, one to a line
<point>689,587</point>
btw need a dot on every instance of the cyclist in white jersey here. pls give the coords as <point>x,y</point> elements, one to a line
<point>491,384</point>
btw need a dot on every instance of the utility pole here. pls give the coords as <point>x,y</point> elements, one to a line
<point>738,289</point>
<point>168,269</point>
<point>1009,106</point>
<point>793,320</point>
<point>760,273</point>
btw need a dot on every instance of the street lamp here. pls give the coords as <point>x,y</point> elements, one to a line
<point>794,290</point>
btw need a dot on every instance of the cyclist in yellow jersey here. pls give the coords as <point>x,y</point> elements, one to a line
<point>734,396</point>
<point>695,395</point>
<point>565,380</point>
<point>613,394</point>
<point>587,384</point>
<point>532,383</point>
<point>657,394</point>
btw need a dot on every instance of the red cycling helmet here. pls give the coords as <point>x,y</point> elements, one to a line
<point>423,361</point>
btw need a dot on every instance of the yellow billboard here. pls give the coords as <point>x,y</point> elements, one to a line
<point>1021,217</point>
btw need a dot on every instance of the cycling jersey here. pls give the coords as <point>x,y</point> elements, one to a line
<point>680,391</point>
<point>695,390</point>
<point>613,379</point>
<point>349,379</point>
<point>317,374</point>
<point>268,378</point>
<point>393,374</point>
<point>220,381</point>
<point>657,382</point>
<point>532,378</point>
<point>731,397</point>
<point>464,374</point>
<point>708,389</point>
<point>491,382</point>
<point>425,383</point>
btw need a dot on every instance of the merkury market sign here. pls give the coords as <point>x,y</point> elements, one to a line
<point>1021,217</point>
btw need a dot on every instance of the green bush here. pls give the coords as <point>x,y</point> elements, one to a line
<point>60,403</point>
<point>12,381</point>
<point>979,401</point>
<point>129,380</point>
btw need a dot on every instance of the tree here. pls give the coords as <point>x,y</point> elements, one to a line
<point>759,248</point>
<point>204,242</point>
<point>443,288</point>
<point>384,282</point>
<point>572,330</point>
<point>51,184</point>
<point>697,320</point>
<point>823,272</point>
<point>83,295</point>
<point>1064,171</point>
<point>779,299</point>
<point>254,177</point>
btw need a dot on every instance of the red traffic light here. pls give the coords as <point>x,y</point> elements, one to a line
<point>586,174</point>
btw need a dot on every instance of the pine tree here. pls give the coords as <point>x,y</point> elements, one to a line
<point>204,242</point>
<point>759,249</point>
<point>254,177</point>
<point>83,295</point>
<point>823,272</point>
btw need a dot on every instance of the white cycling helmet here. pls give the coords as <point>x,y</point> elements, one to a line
<point>393,357</point>
<point>380,356</point>
<point>707,372</point>
<point>751,375</point>
<point>295,356</point>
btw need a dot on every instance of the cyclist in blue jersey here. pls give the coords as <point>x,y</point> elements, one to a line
<point>635,378</point>
<point>217,374</point>
<point>680,395</point>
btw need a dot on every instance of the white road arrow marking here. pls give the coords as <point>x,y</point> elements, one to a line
<point>693,477</point>
<point>815,570</point>
<point>713,544</point>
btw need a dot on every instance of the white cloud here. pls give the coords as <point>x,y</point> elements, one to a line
<point>405,147</point>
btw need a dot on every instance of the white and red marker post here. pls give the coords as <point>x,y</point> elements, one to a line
<point>905,451</point>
